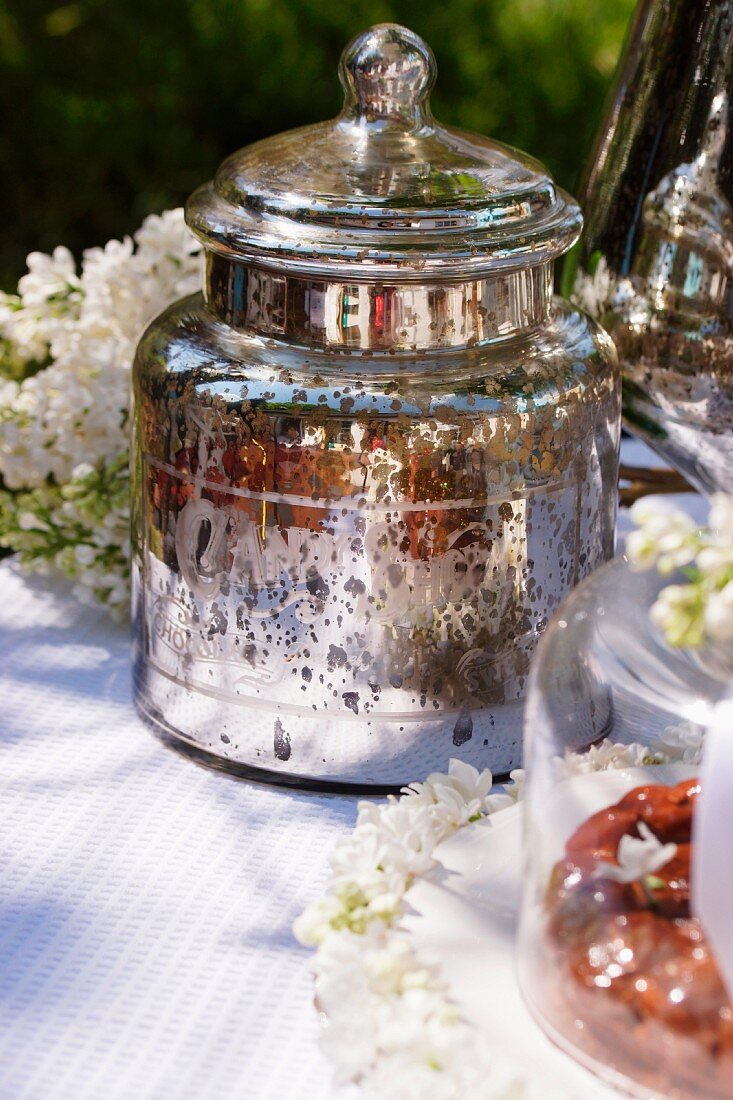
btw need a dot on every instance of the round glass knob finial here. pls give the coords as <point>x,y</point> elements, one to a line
<point>387,73</point>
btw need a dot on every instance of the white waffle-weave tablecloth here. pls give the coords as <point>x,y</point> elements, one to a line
<point>146,904</point>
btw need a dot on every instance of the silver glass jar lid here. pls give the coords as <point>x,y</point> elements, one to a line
<point>383,191</point>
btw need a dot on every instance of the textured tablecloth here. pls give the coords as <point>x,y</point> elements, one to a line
<point>146,904</point>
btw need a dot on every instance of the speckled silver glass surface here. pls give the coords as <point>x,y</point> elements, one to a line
<point>374,455</point>
<point>655,264</point>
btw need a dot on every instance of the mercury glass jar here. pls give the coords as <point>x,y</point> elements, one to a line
<point>372,457</point>
<point>655,265</point>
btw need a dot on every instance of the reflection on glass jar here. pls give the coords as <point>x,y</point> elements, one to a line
<point>656,260</point>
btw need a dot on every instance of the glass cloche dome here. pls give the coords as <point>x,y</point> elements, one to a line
<point>614,961</point>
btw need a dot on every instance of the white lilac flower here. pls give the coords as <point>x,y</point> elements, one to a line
<point>637,857</point>
<point>388,1020</point>
<point>500,800</point>
<point>714,561</point>
<point>718,614</point>
<point>685,740</point>
<point>679,612</point>
<point>702,608</point>
<point>609,755</point>
<point>343,995</point>
<point>29,521</point>
<point>515,788</point>
<point>26,332</point>
<point>463,782</point>
<point>376,994</point>
<point>665,536</point>
<point>8,389</point>
<point>165,236</point>
<point>393,967</point>
<point>507,794</point>
<point>468,1070</point>
<point>75,410</point>
<point>721,518</point>
<point>422,1021</point>
<point>48,277</point>
<point>63,429</point>
<point>410,828</point>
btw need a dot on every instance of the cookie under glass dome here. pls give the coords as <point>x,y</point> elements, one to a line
<point>613,962</point>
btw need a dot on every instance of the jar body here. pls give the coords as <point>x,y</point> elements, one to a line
<point>342,560</point>
<point>655,262</point>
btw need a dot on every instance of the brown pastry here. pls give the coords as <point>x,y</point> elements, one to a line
<point>640,983</point>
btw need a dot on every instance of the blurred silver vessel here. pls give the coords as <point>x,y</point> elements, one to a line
<point>656,259</point>
<point>374,455</point>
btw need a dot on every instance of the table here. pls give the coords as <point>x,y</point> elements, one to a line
<point>146,950</point>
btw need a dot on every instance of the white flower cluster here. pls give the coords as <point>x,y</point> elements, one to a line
<point>608,755</point>
<point>391,844</point>
<point>389,1022</point>
<point>70,337</point>
<point>701,609</point>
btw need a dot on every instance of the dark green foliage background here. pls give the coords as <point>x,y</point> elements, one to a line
<point>112,109</point>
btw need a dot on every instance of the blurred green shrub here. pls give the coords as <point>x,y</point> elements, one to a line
<point>115,108</point>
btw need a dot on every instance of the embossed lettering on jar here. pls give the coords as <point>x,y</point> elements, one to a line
<point>374,454</point>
